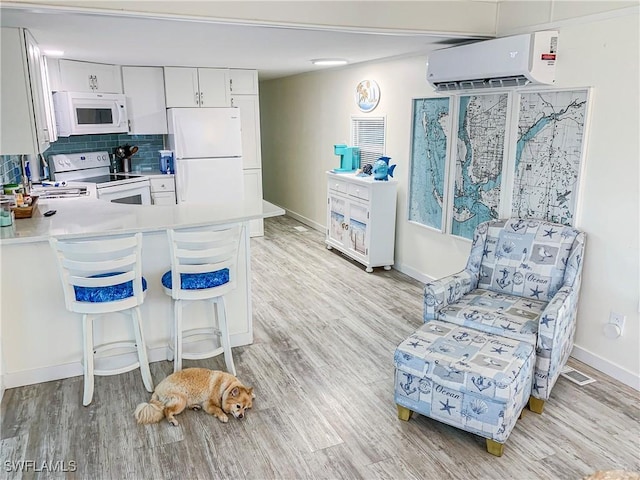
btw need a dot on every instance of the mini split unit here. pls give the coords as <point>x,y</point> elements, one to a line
<point>502,62</point>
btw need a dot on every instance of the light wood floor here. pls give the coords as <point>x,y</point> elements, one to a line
<point>322,368</point>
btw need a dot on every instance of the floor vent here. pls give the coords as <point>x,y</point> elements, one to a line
<point>576,377</point>
<point>300,229</point>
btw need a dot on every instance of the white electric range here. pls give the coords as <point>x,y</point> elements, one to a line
<point>92,169</point>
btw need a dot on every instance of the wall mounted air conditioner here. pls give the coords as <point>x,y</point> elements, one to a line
<point>501,62</point>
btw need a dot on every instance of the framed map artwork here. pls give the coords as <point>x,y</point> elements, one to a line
<point>478,157</point>
<point>480,150</point>
<point>549,151</point>
<point>430,135</point>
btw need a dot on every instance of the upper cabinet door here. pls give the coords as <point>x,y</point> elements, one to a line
<point>181,87</point>
<point>144,88</point>
<point>90,77</point>
<point>214,87</point>
<point>40,102</point>
<point>243,82</point>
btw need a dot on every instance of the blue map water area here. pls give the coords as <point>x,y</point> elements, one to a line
<point>428,163</point>
<point>468,195</point>
<point>530,134</point>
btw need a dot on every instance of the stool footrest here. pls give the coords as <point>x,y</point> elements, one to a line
<point>105,347</point>
<point>203,355</point>
<point>116,371</point>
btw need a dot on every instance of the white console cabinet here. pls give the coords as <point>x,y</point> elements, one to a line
<point>361,218</point>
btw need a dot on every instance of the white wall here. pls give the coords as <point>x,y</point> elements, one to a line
<point>303,116</point>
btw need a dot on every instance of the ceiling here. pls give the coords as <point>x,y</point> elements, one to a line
<point>274,50</point>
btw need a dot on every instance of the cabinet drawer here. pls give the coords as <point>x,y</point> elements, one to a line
<point>359,191</point>
<point>163,198</point>
<point>338,185</point>
<point>162,184</point>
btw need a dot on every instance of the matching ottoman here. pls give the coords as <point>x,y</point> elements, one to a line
<point>478,382</point>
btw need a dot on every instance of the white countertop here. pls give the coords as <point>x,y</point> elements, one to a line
<point>89,217</point>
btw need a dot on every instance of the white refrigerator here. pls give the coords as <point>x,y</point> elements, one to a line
<point>207,146</point>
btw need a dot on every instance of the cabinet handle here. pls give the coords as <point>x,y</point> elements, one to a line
<point>197,99</point>
<point>201,98</point>
<point>232,102</point>
<point>231,84</point>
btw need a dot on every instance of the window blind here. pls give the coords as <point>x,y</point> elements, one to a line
<point>368,133</point>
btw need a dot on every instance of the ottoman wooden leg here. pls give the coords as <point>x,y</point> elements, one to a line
<point>495,448</point>
<point>521,414</point>
<point>536,405</point>
<point>404,413</point>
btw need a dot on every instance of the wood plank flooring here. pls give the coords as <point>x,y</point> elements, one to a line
<point>322,368</point>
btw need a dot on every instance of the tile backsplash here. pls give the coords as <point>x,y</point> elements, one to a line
<point>145,159</point>
<point>10,169</point>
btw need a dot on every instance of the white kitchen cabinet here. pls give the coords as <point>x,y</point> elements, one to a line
<point>253,190</point>
<point>250,124</point>
<point>23,100</point>
<point>196,87</point>
<point>144,89</point>
<point>75,76</point>
<point>361,218</point>
<point>244,95</point>
<point>243,82</point>
<point>163,189</point>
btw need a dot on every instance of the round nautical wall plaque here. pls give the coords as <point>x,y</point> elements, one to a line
<point>367,95</point>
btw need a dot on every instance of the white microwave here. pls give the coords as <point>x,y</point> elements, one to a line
<point>80,113</point>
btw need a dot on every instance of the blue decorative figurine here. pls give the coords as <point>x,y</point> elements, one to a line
<point>382,170</point>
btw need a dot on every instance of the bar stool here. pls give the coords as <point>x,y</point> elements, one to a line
<point>203,267</point>
<point>102,277</point>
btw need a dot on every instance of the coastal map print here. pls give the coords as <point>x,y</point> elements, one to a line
<point>548,154</point>
<point>429,140</point>
<point>482,122</point>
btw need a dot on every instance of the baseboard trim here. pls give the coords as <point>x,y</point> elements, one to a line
<point>413,273</point>
<point>307,221</point>
<point>607,367</point>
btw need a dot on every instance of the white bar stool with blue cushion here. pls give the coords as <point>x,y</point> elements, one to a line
<point>203,267</point>
<point>101,277</point>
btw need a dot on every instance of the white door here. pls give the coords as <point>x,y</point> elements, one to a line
<point>181,87</point>
<point>214,87</point>
<point>90,77</point>
<point>205,132</point>
<point>209,180</point>
<point>243,82</point>
<point>144,88</point>
<point>250,120</point>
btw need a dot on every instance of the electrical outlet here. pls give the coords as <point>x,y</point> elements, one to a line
<point>617,319</point>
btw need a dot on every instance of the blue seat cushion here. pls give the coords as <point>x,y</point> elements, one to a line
<point>198,281</point>
<point>106,294</point>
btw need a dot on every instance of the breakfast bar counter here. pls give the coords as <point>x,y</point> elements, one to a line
<point>41,340</point>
